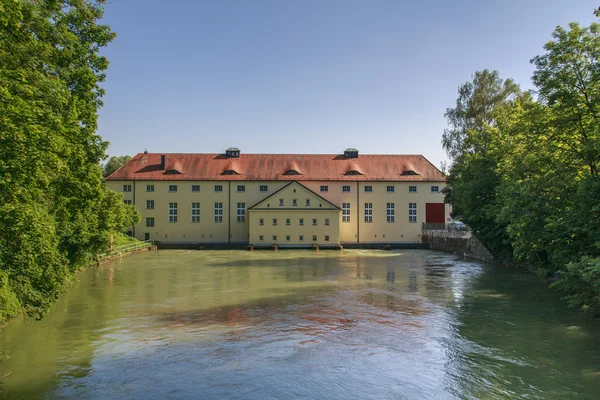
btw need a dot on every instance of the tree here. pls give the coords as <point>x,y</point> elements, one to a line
<point>52,198</point>
<point>114,163</point>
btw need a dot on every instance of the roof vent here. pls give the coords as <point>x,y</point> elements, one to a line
<point>232,152</point>
<point>351,153</point>
<point>291,172</point>
<point>353,172</point>
<point>230,172</point>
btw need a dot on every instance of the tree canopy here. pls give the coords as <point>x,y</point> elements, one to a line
<point>524,167</point>
<point>55,211</point>
<point>113,164</point>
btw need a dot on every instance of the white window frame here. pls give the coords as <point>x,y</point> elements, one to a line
<point>294,202</point>
<point>280,202</point>
<point>412,212</point>
<point>327,238</point>
<point>301,221</point>
<point>127,188</point>
<point>195,212</point>
<point>194,187</point>
<point>261,237</point>
<point>345,212</point>
<point>127,202</point>
<point>314,222</point>
<point>435,189</point>
<point>172,188</point>
<point>241,212</point>
<point>218,189</point>
<point>261,221</point>
<point>391,212</point>
<point>346,188</point>
<point>368,188</point>
<point>324,188</point>
<point>326,221</point>
<point>149,188</point>
<point>173,212</point>
<point>307,203</point>
<point>149,204</point>
<point>263,188</point>
<point>240,188</point>
<point>314,238</point>
<point>151,221</point>
<point>288,221</point>
<point>412,189</point>
<point>390,189</point>
<point>301,238</point>
<point>274,222</point>
<point>218,213</point>
<point>368,212</point>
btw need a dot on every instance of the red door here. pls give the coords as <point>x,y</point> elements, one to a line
<point>434,213</point>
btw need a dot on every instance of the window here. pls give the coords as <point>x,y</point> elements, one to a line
<point>287,237</point>
<point>287,221</point>
<point>301,221</point>
<point>345,212</point>
<point>274,221</point>
<point>280,202</point>
<point>435,189</point>
<point>172,188</point>
<point>412,189</point>
<point>314,238</point>
<point>261,221</point>
<point>412,212</point>
<point>128,202</point>
<point>241,212</point>
<point>264,188</point>
<point>150,204</point>
<point>195,188</point>
<point>326,221</point>
<point>150,221</point>
<point>218,212</point>
<point>368,212</point>
<point>274,238</point>
<point>294,202</point>
<point>327,238</point>
<point>195,212</point>
<point>147,236</point>
<point>324,188</point>
<point>218,188</point>
<point>307,203</point>
<point>391,189</point>
<point>127,188</point>
<point>390,212</point>
<point>172,212</point>
<point>149,188</point>
<point>241,188</point>
<point>314,222</point>
<point>261,237</point>
<point>368,188</point>
<point>301,237</point>
<point>346,188</point>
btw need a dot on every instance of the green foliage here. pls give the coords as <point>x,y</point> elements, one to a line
<point>55,211</point>
<point>113,164</point>
<point>525,171</point>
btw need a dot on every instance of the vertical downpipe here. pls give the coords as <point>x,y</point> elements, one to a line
<point>133,205</point>
<point>229,213</point>
<point>357,213</point>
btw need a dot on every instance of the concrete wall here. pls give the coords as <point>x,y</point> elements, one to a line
<point>461,243</point>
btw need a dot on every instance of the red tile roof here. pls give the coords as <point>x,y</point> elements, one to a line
<point>272,167</point>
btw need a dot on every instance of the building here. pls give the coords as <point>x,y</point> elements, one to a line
<point>292,200</point>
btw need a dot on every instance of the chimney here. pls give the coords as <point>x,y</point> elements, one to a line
<point>163,159</point>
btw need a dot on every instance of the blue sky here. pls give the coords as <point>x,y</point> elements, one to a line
<point>309,76</point>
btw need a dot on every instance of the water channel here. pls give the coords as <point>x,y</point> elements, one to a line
<point>300,324</point>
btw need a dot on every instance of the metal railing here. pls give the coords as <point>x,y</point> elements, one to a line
<point>126,248</point>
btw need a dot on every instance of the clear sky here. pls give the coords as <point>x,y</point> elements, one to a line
<point>309,76</point>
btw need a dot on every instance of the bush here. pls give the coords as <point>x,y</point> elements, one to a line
<point>581,281</point>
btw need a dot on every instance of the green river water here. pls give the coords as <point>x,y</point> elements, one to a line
<point>303,325</point>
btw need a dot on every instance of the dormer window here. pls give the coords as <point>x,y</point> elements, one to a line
<point>291,172</point>
<point>172,172</point>
<point>353,172</point>
<point>409,172</point>
<point>230,172</point>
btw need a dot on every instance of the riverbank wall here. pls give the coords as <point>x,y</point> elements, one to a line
<point>120,254</point>
<point>244,246</point>
<point>457,242</point>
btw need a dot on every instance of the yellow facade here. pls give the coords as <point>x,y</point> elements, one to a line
<point>344,204</point>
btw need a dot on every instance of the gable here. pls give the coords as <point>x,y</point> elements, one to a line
<point>289,193</point>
